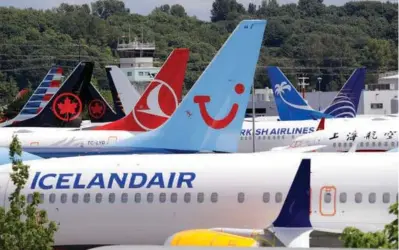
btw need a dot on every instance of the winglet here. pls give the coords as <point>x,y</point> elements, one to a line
<point>321,124</point>
<point>159,100</point>
<point>295,210</point>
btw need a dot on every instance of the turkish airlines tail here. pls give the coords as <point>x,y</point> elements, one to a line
<point>211,115</point>
<point>159,100</point>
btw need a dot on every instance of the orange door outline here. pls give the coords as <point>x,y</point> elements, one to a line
<point>112,139</point>
<point>328,189</point>
<point>35,143</point>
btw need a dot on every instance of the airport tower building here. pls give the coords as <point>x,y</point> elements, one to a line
<point>136,61</point>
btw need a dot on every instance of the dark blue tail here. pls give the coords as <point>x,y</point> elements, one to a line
<point>295,211</point>
<point>347,100</point>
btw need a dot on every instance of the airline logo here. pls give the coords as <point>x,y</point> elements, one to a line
<point>50,180</point>
<point>97,109</point>
<point>150,112</point>
<point>221,123</point>
<point>278,131</point>
<point>67,107</point>
<point>279,91</point>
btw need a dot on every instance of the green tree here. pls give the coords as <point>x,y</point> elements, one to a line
<point>106,8</point>
<point>387,238</point>
<point>178,10</point>
<point>23,226</point>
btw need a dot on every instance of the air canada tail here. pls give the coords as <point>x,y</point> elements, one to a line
<point>64,106</point>
<point>347,100</point>
<point>159,100</point>
<point>41,96</point>
<point>290,104</point>
<point>123,92</point>
<point>293,225</point>
<point>98,108</point>
<point>211,115</point>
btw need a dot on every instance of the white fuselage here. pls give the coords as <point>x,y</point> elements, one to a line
<point>182,192</point>
<point>372,136</point>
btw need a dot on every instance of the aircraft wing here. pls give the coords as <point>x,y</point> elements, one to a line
<point>299,149</point>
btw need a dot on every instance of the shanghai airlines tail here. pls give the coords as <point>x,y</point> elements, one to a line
<point>291,106</point>
<point>40,97</point>
<point>215,105</point>
<point>159,100</point>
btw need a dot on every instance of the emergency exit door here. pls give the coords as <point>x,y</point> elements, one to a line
<point>328,201</point>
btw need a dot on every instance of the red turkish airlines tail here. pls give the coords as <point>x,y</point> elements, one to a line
<point>159,100</point>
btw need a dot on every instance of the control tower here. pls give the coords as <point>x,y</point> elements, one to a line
<point>136,61</point>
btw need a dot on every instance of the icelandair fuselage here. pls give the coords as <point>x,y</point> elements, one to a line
<point>144,199</point>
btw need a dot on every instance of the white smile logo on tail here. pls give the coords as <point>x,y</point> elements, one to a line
<point>279,90</point>
<point>151,106</point>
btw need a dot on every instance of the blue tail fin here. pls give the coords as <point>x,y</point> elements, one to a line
<point>347,100</point>
<point>295,212</point>
<point>290,104</point>
<point>211,114</point>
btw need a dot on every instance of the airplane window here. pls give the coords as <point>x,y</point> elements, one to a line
<point>259,137</point>
<point>293,136</point>
<point>339,144</point>
<point>334,144</point>
<point>86,198</point>
<point>64,198</point>
<point>52,198</point>
<point>41,198</point>
<point>124,197</point>
<point>245,138</point>
<point>345,145</point>
<point>372,197</point>
<point>342,197</point>
<point>187,197</point>
<point>137,197</point>
<point>173,197</point>
<point>361,144</point>
<point>266,197</point>
<point>111,198</point>
<point>250,138</point>
<point>373,143</point>
<point>386,144</point>
<point>30,198</point>
<point>241,197</point>
<point>268,137</point>
<point>242,138</point>
<point>350,144</point>
<point>278,137</point>
<point>264,137</point>
<point>397,144</point>
<point>358,197</point>
<point>162,197</point>
<point>379,144</point>
<point>99,197</point>
<point>327,197</point>
<point>393,144</point>
<point>274,137</point>
<point>386,197</point>
<point>214,197</point>
<point>75,198</point>
<point>278,197</point>
<point>150,197</point>
<point>200,197</point>
<point>367,144</point>
<point>282,137</point>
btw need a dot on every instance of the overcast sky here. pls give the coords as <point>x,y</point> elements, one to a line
<point>199,8</point>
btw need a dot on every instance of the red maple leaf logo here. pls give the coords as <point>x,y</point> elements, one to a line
<point>68,107</point>
<point>96,108</point>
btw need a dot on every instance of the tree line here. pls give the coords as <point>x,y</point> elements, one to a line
<point>307,38</point>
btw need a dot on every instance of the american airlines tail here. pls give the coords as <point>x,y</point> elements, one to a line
<point>159,100</point>
<point>123,92</point>
<point>63,106</point>
<point>347,100</point>
<point>291,105</point>
<point>211,115</point>
<point>44,92</point>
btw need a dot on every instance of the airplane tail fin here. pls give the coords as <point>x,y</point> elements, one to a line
<point>98,108</point>
<point>159,100</point>
<point>63,108</point>
<point>50,85</point>
<point>293,225</point>
<point>290,104</point>
<point>347,100</point>
<point>123,92</point>
<point>211,115</point>
<point>321,124</point>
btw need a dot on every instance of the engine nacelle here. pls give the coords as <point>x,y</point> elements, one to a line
<point>204,237</point>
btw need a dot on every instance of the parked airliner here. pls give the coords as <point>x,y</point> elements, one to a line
<point>149,199</point>
<point>371,136</point>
